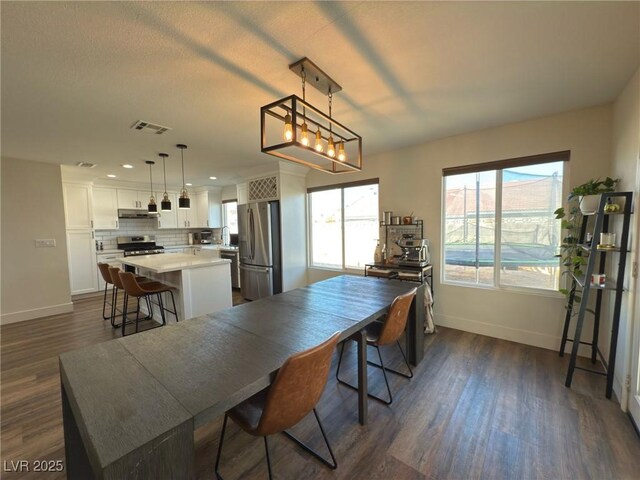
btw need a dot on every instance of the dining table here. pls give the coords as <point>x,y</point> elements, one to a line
<point>130,405</point>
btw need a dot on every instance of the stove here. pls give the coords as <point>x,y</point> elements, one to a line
<point>139,245</point>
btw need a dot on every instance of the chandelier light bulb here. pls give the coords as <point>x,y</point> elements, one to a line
<point>304,135</point>
<point>288,128</point>
<point>319,147</point>
<point>341,155</point>
<point>331,150</point>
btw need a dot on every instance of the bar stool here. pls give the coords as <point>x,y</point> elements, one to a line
<point>146,290</point>
<point>106,276</point>
<point>117,286</point>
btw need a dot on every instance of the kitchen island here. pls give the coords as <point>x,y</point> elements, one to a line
<point>202,284</point>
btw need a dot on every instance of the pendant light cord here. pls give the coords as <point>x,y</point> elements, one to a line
<point>184,187</point>
<point>164,168</point>
<point>150,180</point>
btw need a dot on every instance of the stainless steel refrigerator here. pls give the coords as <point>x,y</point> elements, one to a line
<point>259,247</point>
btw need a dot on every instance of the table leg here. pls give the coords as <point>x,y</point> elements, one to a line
<point>77,461</point>
<point>414,341</point>
<point>361,340</point>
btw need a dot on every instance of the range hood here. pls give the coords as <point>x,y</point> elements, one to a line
<point>131,213</point>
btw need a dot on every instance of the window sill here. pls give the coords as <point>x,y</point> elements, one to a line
<point>508,289</point>
<point>350,271</point>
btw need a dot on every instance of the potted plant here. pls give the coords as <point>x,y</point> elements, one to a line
<point>570,249</point>
<point>589,193</point>
<point>579,202</point>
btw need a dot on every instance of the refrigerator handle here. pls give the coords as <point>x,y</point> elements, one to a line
<point>252,234</point>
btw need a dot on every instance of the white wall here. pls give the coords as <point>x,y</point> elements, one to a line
<point>35,281</point>
<point>626,166</point>
<point>411,180</point>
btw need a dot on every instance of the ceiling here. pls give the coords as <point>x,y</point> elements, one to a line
<point>76,75</point>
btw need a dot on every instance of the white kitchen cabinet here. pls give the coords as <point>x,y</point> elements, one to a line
<point>83,270</point>
<point>187,217</point>
<point>133,199</point>
<point>168,219</point>
<point>201,203</point>
<point>105,208</point>
<point>78,206</point>
<point>243,197</point>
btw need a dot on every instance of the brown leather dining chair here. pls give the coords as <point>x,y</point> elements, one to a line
<point>384,333</point>
<point>146,290</point>
<point>294,393</point>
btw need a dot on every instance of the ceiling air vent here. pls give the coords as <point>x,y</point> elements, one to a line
<point>85,164</point>
<point>148,127</point>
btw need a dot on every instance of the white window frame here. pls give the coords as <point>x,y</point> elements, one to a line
<point>497,236</point>
<point>342,188</point>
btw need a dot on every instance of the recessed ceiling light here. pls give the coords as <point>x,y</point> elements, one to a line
<point>213,178</point>
<point>188,184</point>
<point>126,165</point>
<point>111,175</point>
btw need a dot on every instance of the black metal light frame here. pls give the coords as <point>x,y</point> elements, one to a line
<point>334,166</point>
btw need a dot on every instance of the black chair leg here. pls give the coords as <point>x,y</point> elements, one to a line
<point>224,427</point>
<point>104,302</point>
<point>353,387</point>
<point>114,301</point>
<point>124,311</point>
<point>266,449</point>
<point>137,312</point>
<point>340,360</point>
<point>386,381</point>
<point>161,305</point>
<point>405,375</point>
<point>333,464</point>
<point>175,310</point>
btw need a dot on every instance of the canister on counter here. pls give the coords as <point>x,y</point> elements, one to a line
<point>387,218</point>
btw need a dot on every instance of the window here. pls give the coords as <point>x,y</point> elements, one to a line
<point>230,216</point>
<point>344,225</point>
<point>499,228</point>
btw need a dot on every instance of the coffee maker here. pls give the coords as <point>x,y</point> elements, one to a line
<point>415,252</point>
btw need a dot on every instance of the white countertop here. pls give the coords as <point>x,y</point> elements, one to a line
<point>206,246</point>
<point>109,251</point>
<point>173,262</point>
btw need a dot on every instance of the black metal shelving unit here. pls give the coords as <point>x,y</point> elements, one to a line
<point>416,228</point>
<point>581,286</point>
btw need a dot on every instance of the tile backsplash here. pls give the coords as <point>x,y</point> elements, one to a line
<point>144,226</point>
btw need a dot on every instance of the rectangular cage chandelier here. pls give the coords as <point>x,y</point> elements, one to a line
<point>293,129</point>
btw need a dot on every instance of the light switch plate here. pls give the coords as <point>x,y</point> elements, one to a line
<point>45,243</point>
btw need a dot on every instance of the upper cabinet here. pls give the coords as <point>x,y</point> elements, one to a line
<point>205,211</point>
<point>242,195</point>
<point>105,208</point>
<point>78,206</point>
<point>168,219</point>
<point>133,199</point>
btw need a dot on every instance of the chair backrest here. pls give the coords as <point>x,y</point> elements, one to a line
<point>297,387</point>
<point>115,277</point>
<point>104,271</point>
<point>130,284</point>
<point>396,319</point>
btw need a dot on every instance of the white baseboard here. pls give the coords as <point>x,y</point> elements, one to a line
<point>535,339</point>
<point>23,315</point>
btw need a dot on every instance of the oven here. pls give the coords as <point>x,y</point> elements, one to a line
<point>138,245</point>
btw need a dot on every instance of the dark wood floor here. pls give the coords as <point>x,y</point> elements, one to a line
<point>477,408</point>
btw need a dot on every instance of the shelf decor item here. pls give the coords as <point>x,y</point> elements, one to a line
<point>287,125</point>
<point>589,193</point>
